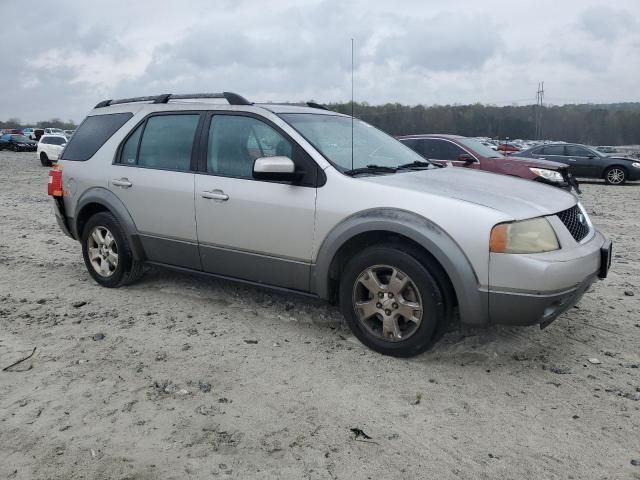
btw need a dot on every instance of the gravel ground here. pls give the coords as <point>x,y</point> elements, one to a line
<point>187,377</point>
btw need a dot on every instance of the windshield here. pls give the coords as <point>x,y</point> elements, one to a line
<point>331,135</point>
<point>480,148</point>
<point>19,138</point>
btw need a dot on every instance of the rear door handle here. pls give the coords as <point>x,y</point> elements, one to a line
<point>121,182</point>
<point>215,195</point>
<point>571,159</point>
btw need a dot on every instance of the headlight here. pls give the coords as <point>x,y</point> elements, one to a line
<point>636,164</point>
<point>527,236</point>
<point>550,175</point>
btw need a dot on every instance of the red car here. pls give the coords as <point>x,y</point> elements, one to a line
<point>507,148</point>
<point>470,153</point>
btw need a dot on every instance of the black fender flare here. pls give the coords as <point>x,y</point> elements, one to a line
<point>111,202</point>
<point>472,301</point>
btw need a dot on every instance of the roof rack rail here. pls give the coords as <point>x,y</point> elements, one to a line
<point>232,98</point>
<point>316,105</point>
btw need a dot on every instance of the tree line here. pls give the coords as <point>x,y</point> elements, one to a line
<point>53,123</point>
<point>607,124</point>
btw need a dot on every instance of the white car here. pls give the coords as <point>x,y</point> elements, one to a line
<point>53,131</point>
<point>49,148</point>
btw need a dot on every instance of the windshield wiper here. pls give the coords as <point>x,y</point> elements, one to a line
<point>417,165</point>
<point>370,169</point>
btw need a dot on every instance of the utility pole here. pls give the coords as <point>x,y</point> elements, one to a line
<point>539,100</point>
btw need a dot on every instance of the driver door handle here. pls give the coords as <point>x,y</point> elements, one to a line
<point>571,159</point>
<point>121,182</point>
<point>215,195</point>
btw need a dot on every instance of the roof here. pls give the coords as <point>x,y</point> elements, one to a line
<point>228,99</point>
<point>284,108</point>
<point>432,135</point>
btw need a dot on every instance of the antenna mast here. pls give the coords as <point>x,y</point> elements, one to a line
<point>352,104</point>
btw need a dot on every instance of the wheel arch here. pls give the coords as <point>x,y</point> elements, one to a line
<point>98,200</point>
<point>383,224</point>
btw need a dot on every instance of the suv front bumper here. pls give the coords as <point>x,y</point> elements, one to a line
<point>543,286</point>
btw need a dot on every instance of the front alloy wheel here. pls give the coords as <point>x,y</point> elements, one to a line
<point>615,176</point>
<point>387,303</point>
<point>394,299</point>
<point>103,251</point>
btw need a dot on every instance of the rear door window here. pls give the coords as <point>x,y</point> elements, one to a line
<point>574,151</point>
<point>92,133</point>
<point>553,150</point>
<point>167,142</point>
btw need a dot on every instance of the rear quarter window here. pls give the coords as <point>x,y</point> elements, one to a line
<point>92,133</point>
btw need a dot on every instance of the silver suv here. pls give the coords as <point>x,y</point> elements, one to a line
<point>308,200</point>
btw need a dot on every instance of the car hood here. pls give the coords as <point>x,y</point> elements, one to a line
<point>619,157</point>
<point>513,196</point>
<point>534,162</point>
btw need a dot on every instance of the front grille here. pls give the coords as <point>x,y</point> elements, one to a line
<point>575,221</point>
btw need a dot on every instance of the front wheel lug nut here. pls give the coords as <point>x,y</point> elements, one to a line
<point>390,295</point>
<point>387,312</point>
<point>380,295</point>
<point>378,305</point>
<point>395,305</point>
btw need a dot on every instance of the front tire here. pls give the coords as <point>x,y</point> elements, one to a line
<point>106,252</point>
<point>615,176</point>
<point>44,160</point>
<point>393,302</point>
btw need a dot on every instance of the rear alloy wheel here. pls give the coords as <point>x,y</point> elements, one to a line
<point>44,160</point>
<point>107,254</point>
<point>392,301</point>
<point>615,176</point>
<point>103,251</point>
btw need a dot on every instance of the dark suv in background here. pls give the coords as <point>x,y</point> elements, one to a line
<point>470,153</point>
<point>587,162</point>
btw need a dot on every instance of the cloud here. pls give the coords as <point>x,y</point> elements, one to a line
<point>412,51</point>
<point>606,23</point>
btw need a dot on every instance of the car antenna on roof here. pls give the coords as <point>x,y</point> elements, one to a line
<point>352,104</point>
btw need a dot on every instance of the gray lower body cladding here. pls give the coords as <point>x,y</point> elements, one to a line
<point>509,308</point>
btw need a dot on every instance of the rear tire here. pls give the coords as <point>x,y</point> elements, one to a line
<point>394,300</point>
<point>44,160</point>
<point>107,254</point>
<point>615,175</point>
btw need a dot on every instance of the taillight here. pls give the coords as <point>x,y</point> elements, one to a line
<point>55,181</point>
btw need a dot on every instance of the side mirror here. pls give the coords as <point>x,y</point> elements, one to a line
<point>466,158</point>
<point>275,168</point>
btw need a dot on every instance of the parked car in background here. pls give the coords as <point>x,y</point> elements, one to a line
<point>17,143</point>
<point>68,133</point>
<point>33,133</point>
<point>53,131</point>
<point>470,153</point>
<point>12,131</point>
<point>507,148</point>
<point>50,147</point>
<point>280,196</point>
<point>587,162</point>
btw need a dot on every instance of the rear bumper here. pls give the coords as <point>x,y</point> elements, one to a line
<point>542,286</point>
<point>63,221</point>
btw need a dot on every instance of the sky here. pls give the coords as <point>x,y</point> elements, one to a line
<point>61,58</point>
